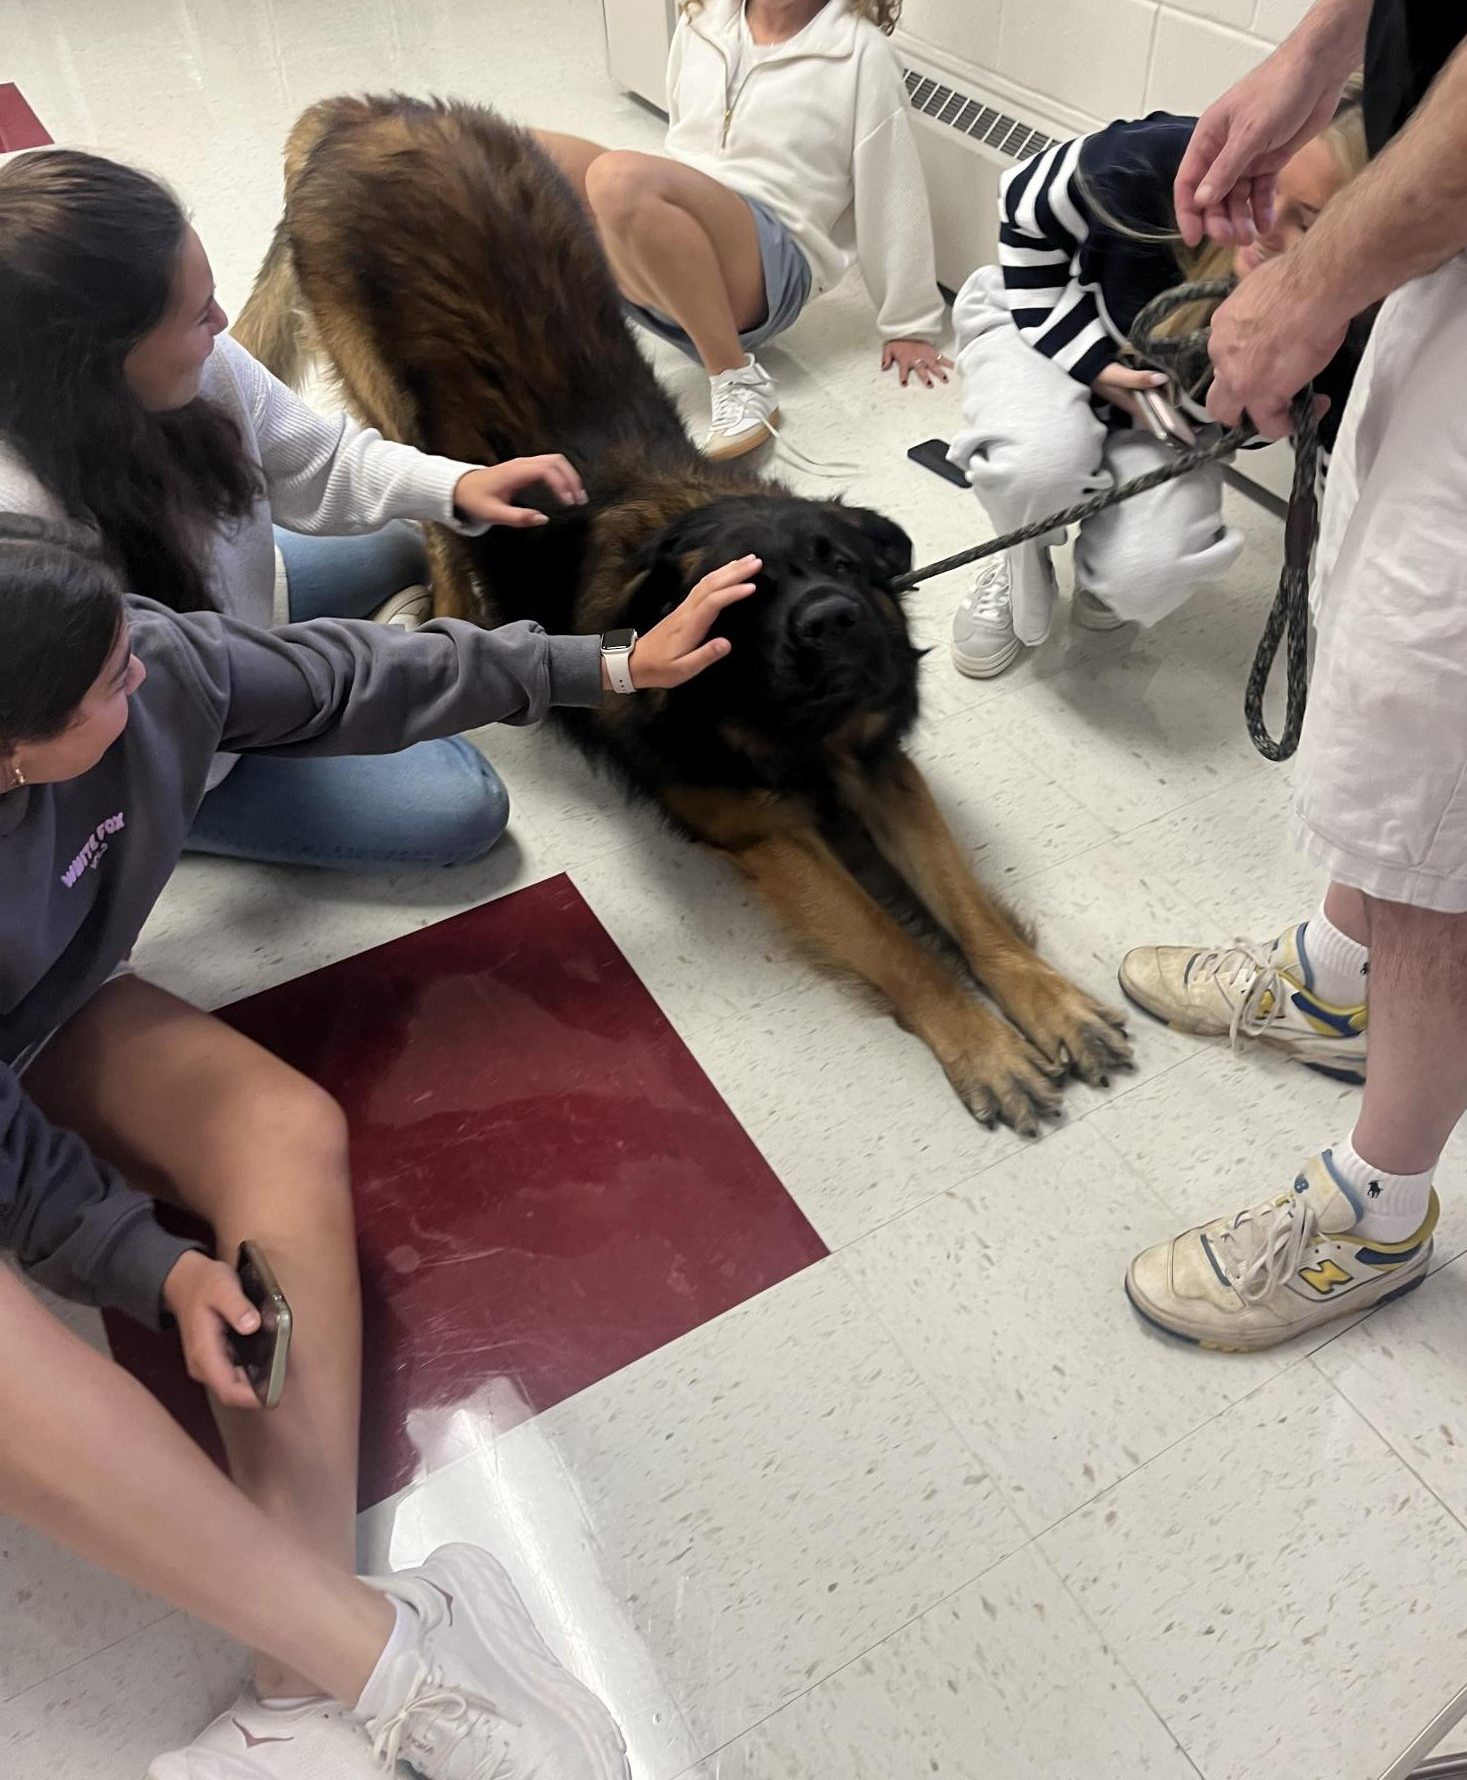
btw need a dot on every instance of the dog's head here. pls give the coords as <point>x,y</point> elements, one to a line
<point>823,637</point>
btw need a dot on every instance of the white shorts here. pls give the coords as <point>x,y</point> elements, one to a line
<point>1381,792</point>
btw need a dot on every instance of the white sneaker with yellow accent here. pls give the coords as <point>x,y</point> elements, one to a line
<point>1243,992</point>
<point>1276,1270</point>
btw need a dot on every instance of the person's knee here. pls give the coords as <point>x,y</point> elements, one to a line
<point>621,188</point>
<point>465,813</point>
<point>301,1191</point>
<point>1020,474</point>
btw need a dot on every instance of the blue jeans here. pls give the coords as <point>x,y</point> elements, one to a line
<point>436,803</point>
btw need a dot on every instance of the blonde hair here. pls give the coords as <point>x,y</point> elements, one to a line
<point>1344,136</point>
<point>881,13</point>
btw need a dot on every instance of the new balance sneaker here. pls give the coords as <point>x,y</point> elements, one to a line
<point>1276,1270</point>
<point>983,642</point>
<point>318,1740</point>
<point>477,1695</point>
<point>1249,992</point>
<point>409,609</point>
<point>745,411</point>
<point>1091,613</point>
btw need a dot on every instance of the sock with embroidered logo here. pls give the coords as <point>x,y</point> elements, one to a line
<point>1395,1205</point>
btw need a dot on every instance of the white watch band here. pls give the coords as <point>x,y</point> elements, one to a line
<point>619,669</point>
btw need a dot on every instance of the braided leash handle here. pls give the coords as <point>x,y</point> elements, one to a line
<point>1184,358</point>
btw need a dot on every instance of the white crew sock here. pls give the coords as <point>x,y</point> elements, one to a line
<point>380,1695</point>
<point>1395,1204</point>
<point>1339,965</point>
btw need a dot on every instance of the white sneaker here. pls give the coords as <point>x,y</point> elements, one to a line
<point>745,411</point>
<point>1091,613</point>
<point>316,1741</point>
<point>1250,992</point>
<point>1275,1270</point>
<point>479,1697</point>
<point>409,609</point>
<point>983,642</point>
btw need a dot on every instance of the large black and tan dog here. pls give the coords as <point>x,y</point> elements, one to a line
<point>446,270</point>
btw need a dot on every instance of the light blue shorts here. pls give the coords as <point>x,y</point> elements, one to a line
<point>786,287</point>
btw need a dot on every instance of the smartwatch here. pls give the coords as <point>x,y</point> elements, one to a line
<point>616,652</point>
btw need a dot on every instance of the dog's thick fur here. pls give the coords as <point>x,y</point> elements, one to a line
<point>442,264</point>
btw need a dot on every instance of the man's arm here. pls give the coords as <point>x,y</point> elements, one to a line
<point>1405,215</point>
<point>1225,185</point>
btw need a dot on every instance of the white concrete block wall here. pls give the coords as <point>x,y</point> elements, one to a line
<point>1106,58</point>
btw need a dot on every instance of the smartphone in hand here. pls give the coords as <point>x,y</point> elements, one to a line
<point>265,1354</point>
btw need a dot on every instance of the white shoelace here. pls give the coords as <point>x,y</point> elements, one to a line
<point>435,1721</point>
<point>989,598</point>
<point>1261,1247</point>
<point>1258,998</point>
<point>735,406</point>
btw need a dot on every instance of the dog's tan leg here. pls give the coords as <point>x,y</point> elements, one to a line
<point>1065,1024</point>
<point>774,843</point>
<point>453,580</point>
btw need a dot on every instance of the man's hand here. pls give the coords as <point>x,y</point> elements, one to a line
<point>487,495</point>
<point>205,1299</point>
<point>1117,384</point>
<point>1270,338</point>
<point>1225,184</point>
<point>674,651</point>
<point>916,358</point>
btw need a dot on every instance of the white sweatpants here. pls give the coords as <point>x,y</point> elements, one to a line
<point>1031,444</point>
<point>1381,792</point>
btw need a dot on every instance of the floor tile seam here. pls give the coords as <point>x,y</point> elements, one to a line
<point>1384,1438</point>
<point>164,1612</point>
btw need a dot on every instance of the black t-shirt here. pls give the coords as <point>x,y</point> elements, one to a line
<point>1408,44</point>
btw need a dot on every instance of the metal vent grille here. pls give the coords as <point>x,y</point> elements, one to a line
<point>1009,136</point>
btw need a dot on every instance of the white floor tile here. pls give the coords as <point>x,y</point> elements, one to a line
<point>1405,1370</point>
<point>56,1610</point>
<point>106,1718</point>
<point>1007,1297</point>
<point>1283,1590</point>
<point>762,1500</point>
<point>1005,1681</point>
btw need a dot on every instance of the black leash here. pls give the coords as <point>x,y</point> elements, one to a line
<point>1184,358</point>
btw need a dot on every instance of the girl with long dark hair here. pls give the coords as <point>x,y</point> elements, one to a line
<point>112,713</point>
<point>124,407</point>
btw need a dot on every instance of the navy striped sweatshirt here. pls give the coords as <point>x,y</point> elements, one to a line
<point>1076,283</point>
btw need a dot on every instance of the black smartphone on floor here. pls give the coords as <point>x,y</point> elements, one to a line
<point>932,455</point>
<point>264,1354</point>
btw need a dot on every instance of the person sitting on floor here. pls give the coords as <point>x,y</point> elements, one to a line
<point>1087,239</point>
<point>789,156</point>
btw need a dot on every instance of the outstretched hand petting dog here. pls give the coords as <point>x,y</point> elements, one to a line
<point>487,495</point>
<point>674,651</point>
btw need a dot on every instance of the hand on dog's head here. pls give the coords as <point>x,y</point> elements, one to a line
<point>823,635</point>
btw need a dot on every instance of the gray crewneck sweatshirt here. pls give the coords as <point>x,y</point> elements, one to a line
<point>83,862</point>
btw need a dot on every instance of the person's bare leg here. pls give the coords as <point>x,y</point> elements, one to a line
<point>1348,910</point>
<point>683,244</point>
<point>194,1112</point>
<point>573,155</point>
<point>92,1461</point>
<point>1416,1079</point>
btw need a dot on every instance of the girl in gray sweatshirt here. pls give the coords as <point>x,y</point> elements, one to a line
<point>112,713</point>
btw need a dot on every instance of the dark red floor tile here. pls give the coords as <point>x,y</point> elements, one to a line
<point>548,1186</point>
<point>19,125</point>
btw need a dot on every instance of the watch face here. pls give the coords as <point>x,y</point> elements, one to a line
<point>618,640</point>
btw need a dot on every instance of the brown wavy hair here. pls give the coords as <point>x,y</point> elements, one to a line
<point>884,14</point>
<point>89,254</point>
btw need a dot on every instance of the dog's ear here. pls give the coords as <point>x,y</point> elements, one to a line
<point>886,541</point>
<point>667,566</point>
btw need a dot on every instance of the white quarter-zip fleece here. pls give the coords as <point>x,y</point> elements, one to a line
<point>819,132</point>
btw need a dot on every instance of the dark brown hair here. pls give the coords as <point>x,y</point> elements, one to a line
<point>89,254</point>
<point>60,610</point>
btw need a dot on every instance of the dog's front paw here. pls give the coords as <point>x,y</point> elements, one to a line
<point>1002,1079</point>
<point>1076,1034</point>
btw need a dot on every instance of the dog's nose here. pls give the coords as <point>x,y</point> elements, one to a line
<point>824,618</point>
